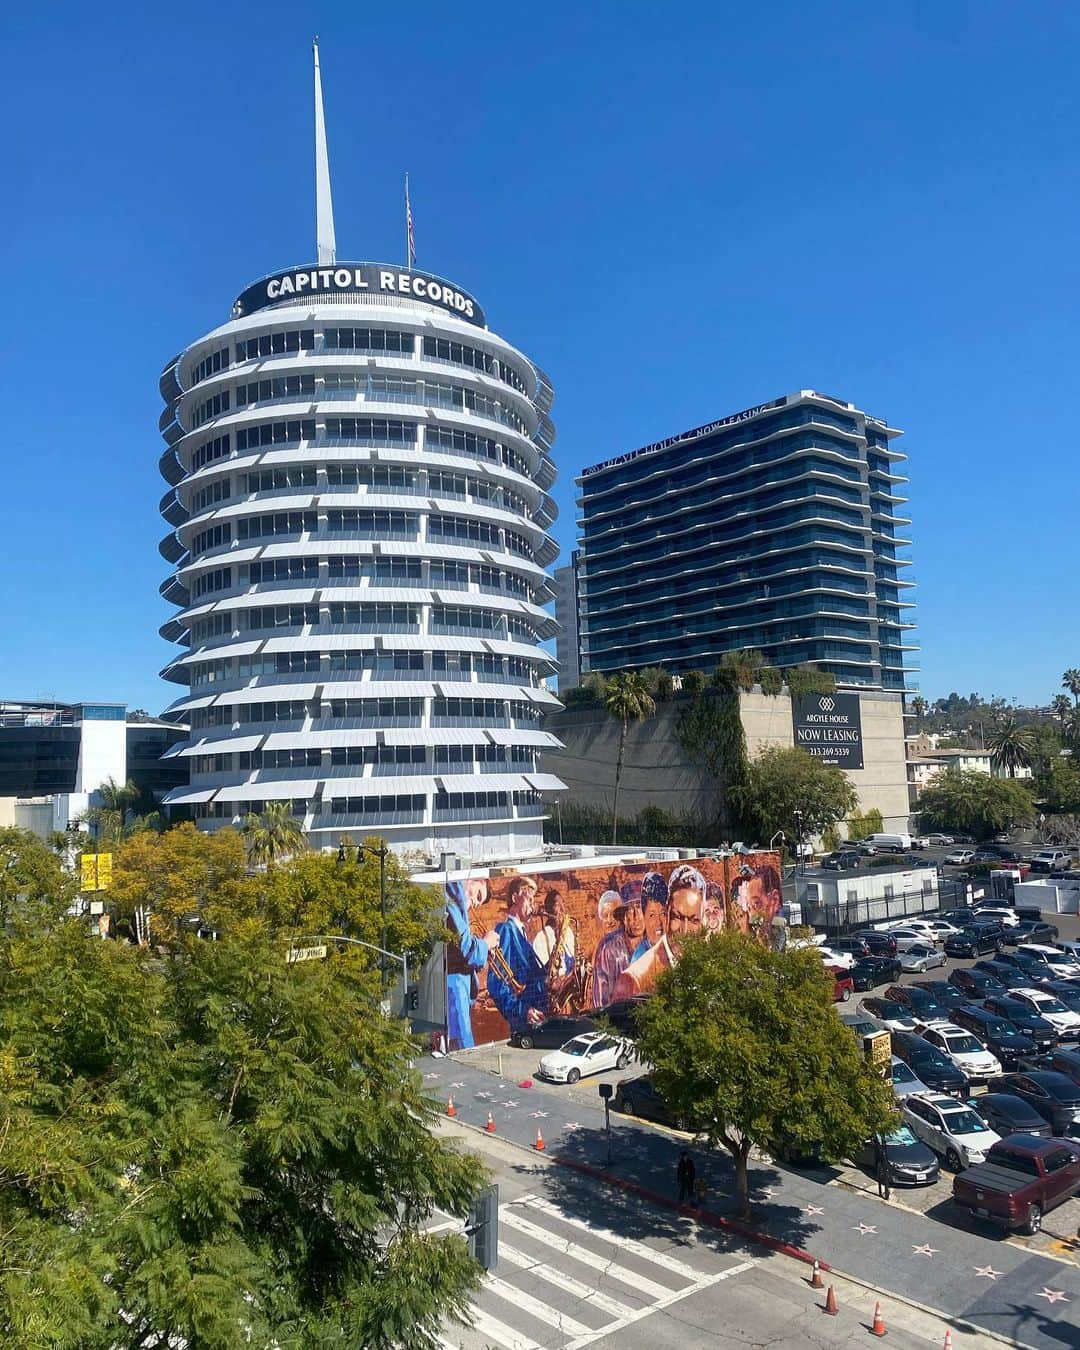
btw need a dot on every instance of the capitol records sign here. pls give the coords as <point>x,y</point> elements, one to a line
<point>829,726</point>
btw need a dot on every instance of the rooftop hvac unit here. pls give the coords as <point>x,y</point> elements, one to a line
<point>663,854</point>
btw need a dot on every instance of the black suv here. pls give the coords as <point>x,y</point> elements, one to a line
<point>922,1005</point>
<point>881,944</point>
<point>946,994</point>
<point>840,861</point>
<point>1003,851</point>
<point>998,1035</point>
<point>928,1064</point>
<point>1023,1019</point>
<point>1055,1097</point>
<point>975,983</point>
<point>870,971</point>
<point>974,940</point>
<point>1006,974</point>
<point>1045,933</point>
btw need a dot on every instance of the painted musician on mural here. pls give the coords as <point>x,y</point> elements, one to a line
<point>522,947</point>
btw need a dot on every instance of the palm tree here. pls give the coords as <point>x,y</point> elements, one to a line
<point>919,707</point>
<point>1010,746</point>
<point>274,835</point>
<point>1061,707</point>
<point>1071,681</point>
<point>626,696</point>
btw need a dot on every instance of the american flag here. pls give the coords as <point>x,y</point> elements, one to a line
<point>408,224</point>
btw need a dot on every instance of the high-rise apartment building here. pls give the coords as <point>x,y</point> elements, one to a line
<point>359,473</point>
<point>778,528</point>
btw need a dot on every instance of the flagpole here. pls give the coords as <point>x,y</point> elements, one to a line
<point>408,208</point>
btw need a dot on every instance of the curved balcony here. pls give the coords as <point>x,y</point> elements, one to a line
<point>170,467</point>
<point>172,508</point>
<point>173,590</point>
<point>171,549</point>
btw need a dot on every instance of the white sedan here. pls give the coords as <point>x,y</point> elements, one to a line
<point>920,957</point>
<point>965,1051</point>
<point>960,857</point>
<point>844,960</point>
<point>951,1128</point>
<point>906,938</point>
<point>591,1053</point>
<point>942,928</point>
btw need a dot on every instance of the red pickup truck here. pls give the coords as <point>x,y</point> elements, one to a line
<point>1023,1177</point>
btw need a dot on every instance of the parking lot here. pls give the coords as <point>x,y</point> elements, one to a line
<point>1060,1227</point>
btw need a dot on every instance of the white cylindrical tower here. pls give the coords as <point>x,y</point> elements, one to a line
<point>359,478</point>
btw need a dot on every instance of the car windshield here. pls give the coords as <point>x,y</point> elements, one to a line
<point>902,1074</point>
<point>901,1135</point>
<point>576,1047</point>
<point>964,1045</point>
<point>964,1122</point>
<point>862,1028</point>
<point>924,1002</point>
<point>886,1009</point>
<point>1049,1004</point>
<point>920,949</point>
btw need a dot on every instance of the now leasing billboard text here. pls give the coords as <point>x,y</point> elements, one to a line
<point>830,727</point>
<point>525,946</point>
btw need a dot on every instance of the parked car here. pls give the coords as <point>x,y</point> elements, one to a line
<point>1037,1029</point>
<point>928,1063</point>
<point>1009,1114</point>
<point>959,917</point>
<point>1028,913</point>
<point>1022,1178</point>
<point>920,958</point>
<point>854,946</point>
<point>1066,990</point>
<point>639,1097</point>
<point>945,993</point>
<point>982,855</point>
<point>888,1015</point>
<point>973,941</point>
<point>865,847</point>
<point>1065,1022</point>
<point>908,1161</point>
<point>1036,972</point>
<point>921,926</point>
<point>621,1013</point>
<point>841,861</point>
<point>999,1036</point>
<point>1050,860</point>
<point>942,928</point>
<point>999,849</point>
<point>1062,965</point>
<point>859,1024</point>
<point>951,1128</point>
<point>870,971</point>
<point>1055,1097</point>
<point>552,1032</point>
<point>933,841</point>
<point>974,983</point>
<point>595,1052</point>
<point>832,957</point>
<point>999,913</point>
<point>1030,931</point>
<point>903,1080</point>
<point>843,984</point>
<point>964,1050</point>
<point>960,857</point>
<point>880,944</point>
<point>1066,1062</point>
<point>906,938</point>
<point>1007,975</point>
<point>923,1005</point>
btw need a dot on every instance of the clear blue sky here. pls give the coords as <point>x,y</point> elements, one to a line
<point>677,210</point>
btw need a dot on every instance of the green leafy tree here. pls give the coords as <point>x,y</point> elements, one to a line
<point>626,699</point>
<point>221,1150</point>
<point>866,822</point>
<point>272,835</point>
<point>788,789</point>
<point>961,800</point>
<point>32,876</point>
<point>745,1046</point>
<point>1058,789</point>
<point>1010,746</point>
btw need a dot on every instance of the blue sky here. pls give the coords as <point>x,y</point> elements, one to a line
<point>678,211</point>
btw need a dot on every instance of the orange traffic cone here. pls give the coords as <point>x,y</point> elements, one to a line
<point>490,1126</point>
<point>830,1302</point>
<point>539,1145</point>
<point>948,1340</point>
<point>878,1329</point>
<point>451,1109</point>
<point>816,1282</point>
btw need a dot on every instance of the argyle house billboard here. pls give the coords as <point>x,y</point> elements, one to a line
<point>829,726</point>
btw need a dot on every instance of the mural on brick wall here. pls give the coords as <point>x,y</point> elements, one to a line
<point>522,947</point>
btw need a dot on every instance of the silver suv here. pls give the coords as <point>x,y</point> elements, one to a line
<point>1050,860</point>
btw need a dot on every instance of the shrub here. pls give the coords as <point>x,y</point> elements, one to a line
<point>802,680</point>
<point>771,680</point>
<point>693,682</point>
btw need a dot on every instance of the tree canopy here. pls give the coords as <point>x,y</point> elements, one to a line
<point>219,1148</point>
<point>788,789</point>
<point>974,803</point>
<point>746,1047</point>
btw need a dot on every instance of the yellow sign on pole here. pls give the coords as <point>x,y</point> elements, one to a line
<point>313,953</point>
<point>878,1049</point>
<point>96,870</point>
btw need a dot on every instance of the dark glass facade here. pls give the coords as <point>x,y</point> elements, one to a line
<point>777,529</point>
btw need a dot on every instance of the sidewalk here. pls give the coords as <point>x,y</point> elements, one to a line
<point>965,1277</point>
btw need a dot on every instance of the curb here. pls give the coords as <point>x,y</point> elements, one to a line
<point>740,1229</point>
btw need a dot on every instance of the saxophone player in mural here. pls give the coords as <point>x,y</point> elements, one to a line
<point>517,978</point>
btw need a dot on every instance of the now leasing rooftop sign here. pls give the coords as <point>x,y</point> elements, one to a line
<point>829,726</point>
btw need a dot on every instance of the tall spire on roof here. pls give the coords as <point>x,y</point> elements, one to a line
<point>326,245</point>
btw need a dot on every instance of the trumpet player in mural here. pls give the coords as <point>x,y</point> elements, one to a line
<point>466,955</point>
<point>517,978</point>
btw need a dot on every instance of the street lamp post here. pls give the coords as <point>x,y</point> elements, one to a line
<point>799,839</point>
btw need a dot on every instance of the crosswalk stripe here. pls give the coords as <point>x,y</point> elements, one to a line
<point>673,1297</point>
<point>582,1254</point>
<point>535,1308</point>
<point>628,1244</point>
<point>565,1282</point>
<point>493,1330</point>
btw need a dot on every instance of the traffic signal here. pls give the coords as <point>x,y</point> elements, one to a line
<point>482,1228</point>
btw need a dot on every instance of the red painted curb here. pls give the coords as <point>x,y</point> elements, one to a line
<point>702,1215</point>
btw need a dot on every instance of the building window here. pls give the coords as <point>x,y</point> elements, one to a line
<point>218,491</point>
<point>211,407</point>
<point>369,340</point>
<point>388,431</point>
<point>284,569</point>
<point>218,448</point>
<point>217,536</point>
<point>210,365</point>
<point>276,344</point>
<point>275,433</point>
<point>280,522</point>
<point>283,386</point>
<point>218,580</point>
<point>272,480</point>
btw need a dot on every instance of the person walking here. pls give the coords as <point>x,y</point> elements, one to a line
<point>685,1174</point>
